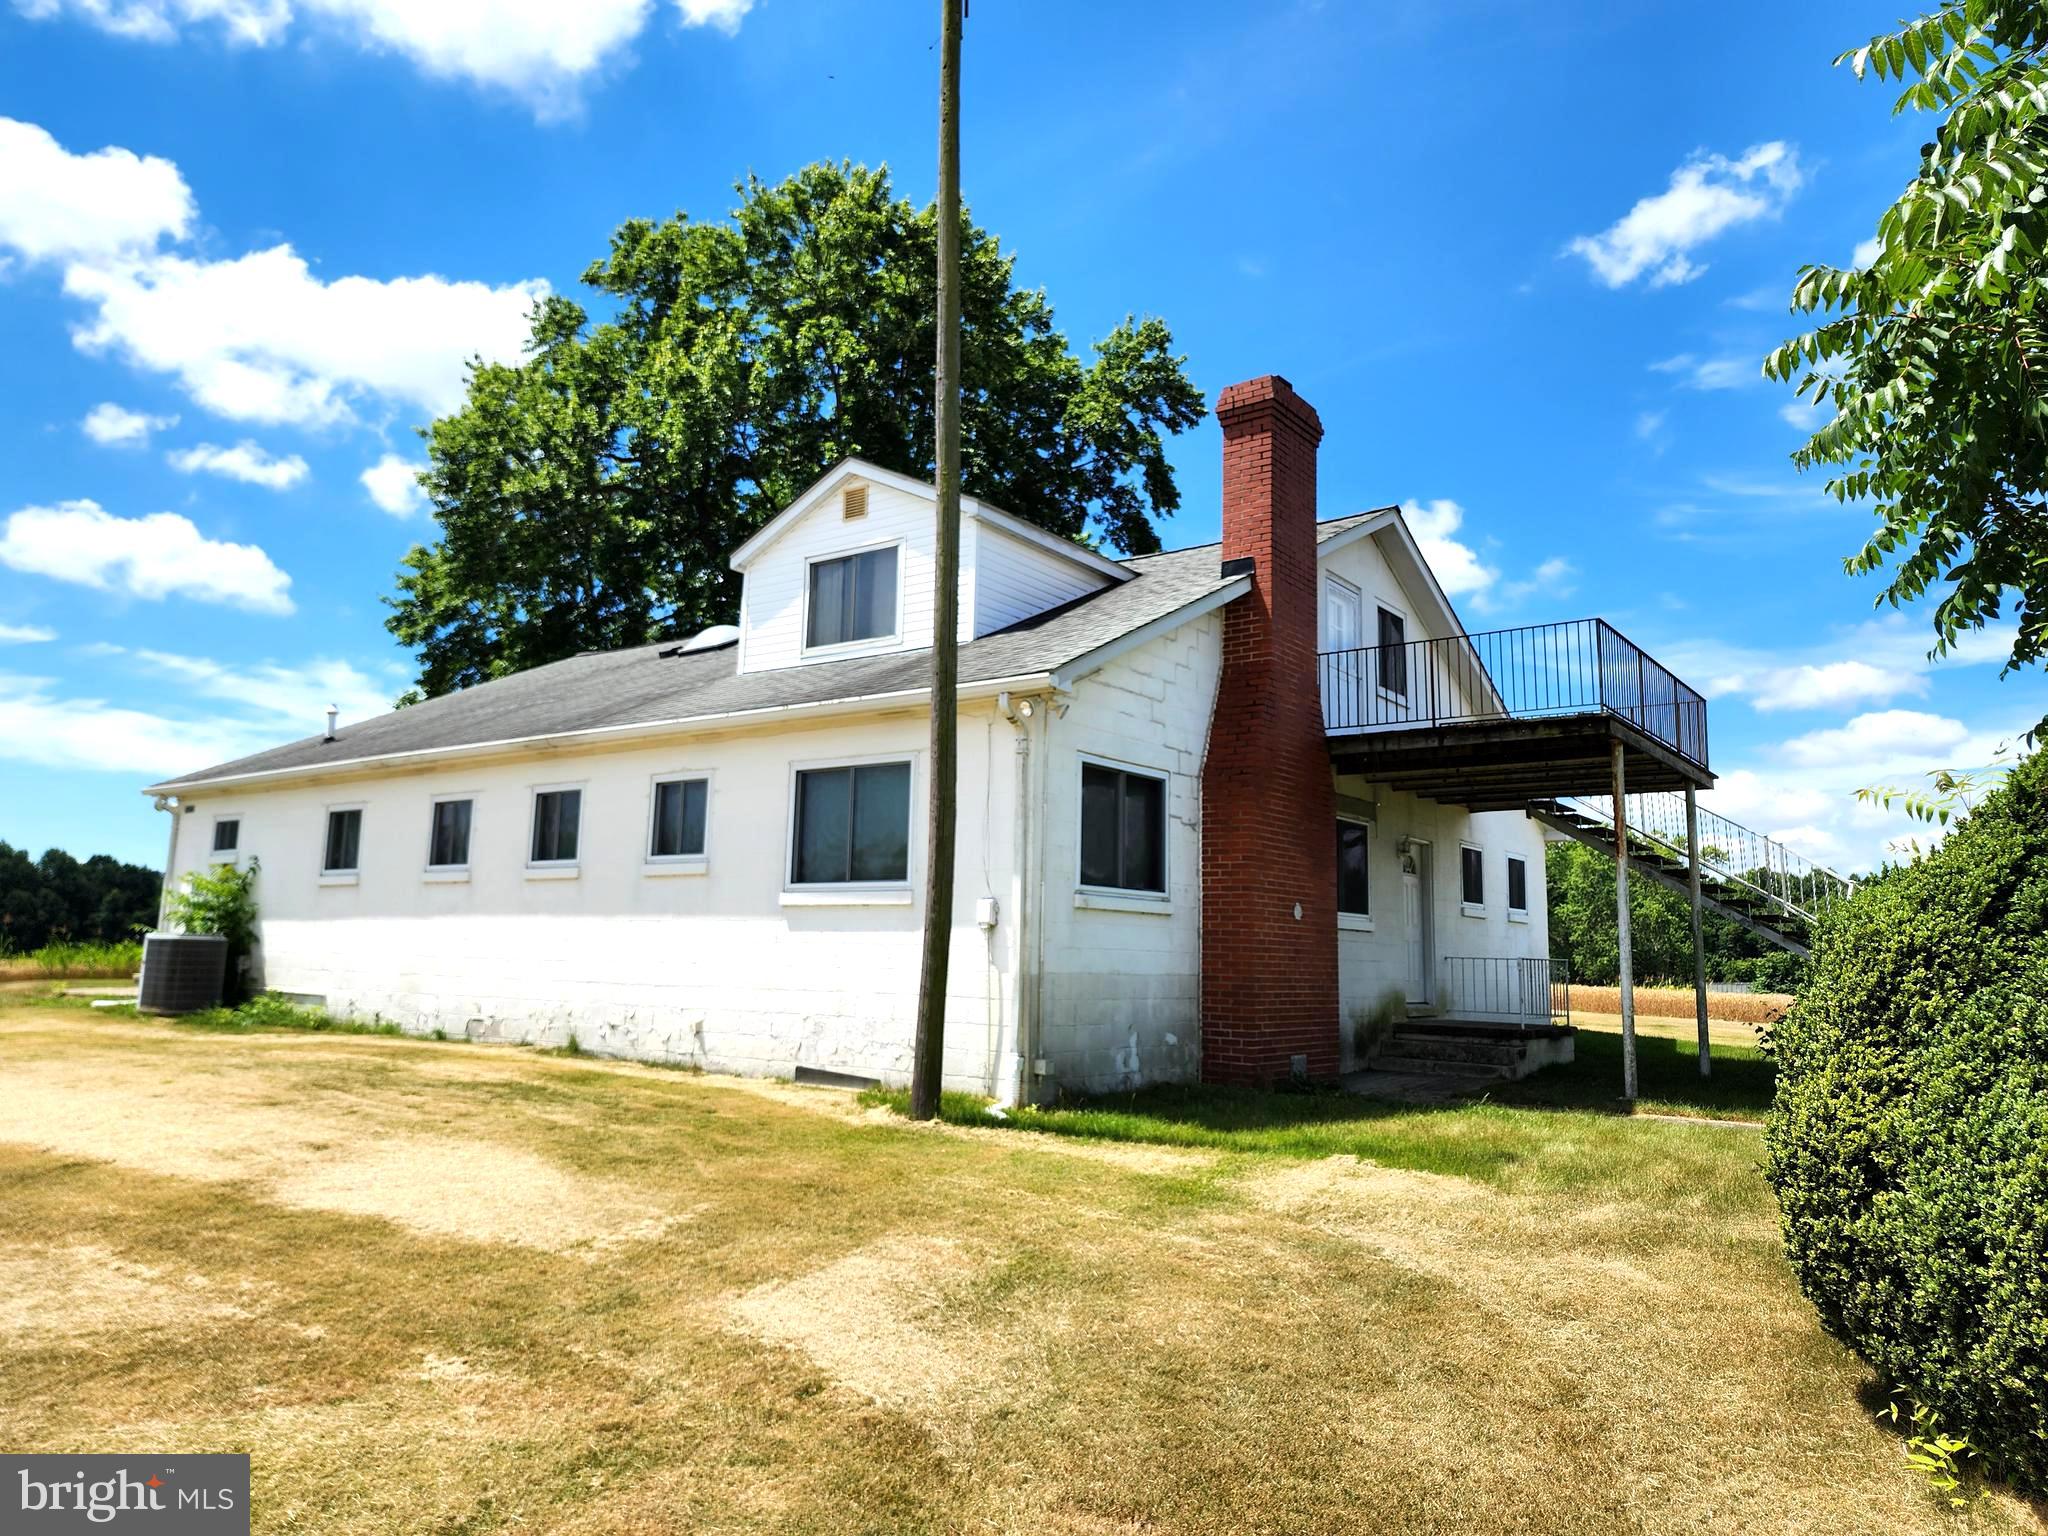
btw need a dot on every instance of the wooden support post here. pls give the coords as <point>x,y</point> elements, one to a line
<point>1699,947</point>
<point>1628,976</point>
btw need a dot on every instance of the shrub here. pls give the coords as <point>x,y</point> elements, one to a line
<point>1909,1142</point>
<point>220,900</point>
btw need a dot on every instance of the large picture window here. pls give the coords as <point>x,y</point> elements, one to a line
<point>852,598</point>
<point>344,842</point>
<point>1354,886</point>
<point>557,819</point>
<point>852,825</point>
<point>680,807</point>
<point>1123,829</point>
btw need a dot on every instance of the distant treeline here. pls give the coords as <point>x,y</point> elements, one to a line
<point>58,898</point>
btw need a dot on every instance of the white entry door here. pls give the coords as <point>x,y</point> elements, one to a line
<point>1415,909</point>
<point>1343,674</point>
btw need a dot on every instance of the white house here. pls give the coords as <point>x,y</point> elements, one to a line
<point>1173,863</point>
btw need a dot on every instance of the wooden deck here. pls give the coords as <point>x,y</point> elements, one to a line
<point>1504,764</point>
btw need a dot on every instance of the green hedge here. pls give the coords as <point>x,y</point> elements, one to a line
<point>1908,1144</point>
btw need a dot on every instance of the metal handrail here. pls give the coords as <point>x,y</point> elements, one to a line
<point>1584,666</point>
<point>1506,989</point>
<point>1732,853</point>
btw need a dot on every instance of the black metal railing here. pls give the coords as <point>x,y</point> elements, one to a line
<point>1585,666</point>
<point>1497,989</point>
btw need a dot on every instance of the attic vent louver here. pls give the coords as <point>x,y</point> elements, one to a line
<point>853,502</point>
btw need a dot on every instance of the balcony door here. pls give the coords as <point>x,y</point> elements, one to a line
<point>1344,668</point>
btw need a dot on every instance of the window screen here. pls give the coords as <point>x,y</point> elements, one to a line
<point>1123,829</point>
<point>344,838</point>
<point>852,825</point>
<point>1475,877</point>
<point>679,810</point>
<point>1393,653</point>
<point>1354,888</point>
<point>557,814</point>
<point>449,843</point>
<point>1518,885</point>
<point>227,835</point>
<point>853,598</point>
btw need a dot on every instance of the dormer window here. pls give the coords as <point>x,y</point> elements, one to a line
<point>852,598</point>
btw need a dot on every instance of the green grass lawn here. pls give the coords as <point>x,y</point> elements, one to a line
<point>452,1288</point>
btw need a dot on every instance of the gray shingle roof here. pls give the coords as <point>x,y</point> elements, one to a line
<point>608,690</point>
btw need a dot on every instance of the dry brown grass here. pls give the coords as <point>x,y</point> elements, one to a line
<point>1678,1003</point>
<point>831,1322</point>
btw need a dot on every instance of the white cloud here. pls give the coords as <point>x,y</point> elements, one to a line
<point>1884,735</point>
<point>114,426</point>
<point>265,703</point>
<point>25,634</point>
<point>1866,252</point>
<point>1552,580</point>
<point>261,339</point>
<point>393,485</point>
<point>1723,372</point>
<point>1459,570</point>
<point>37,726</point>
<point>294,697</point>
<point>538,49</point>
<point>1803,791</point>
<point>1872,663</point>
<point>246,461</point>
<point>1708,195</point>
<point>57,206</point>
<point>152,557</point>
<point>1802,415</point>
<point>1649,424</point>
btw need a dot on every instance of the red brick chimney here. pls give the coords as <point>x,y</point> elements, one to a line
<point>1269,879</point>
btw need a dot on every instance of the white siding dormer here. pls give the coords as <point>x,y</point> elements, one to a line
<point>1009,570</point>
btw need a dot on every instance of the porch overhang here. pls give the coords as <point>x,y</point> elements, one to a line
<point>1505,764</point>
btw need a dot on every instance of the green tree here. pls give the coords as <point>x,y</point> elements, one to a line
<point>1934,356</point>
<point>588,497</point>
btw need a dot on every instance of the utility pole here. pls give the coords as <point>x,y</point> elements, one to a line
<point>928,1061</point>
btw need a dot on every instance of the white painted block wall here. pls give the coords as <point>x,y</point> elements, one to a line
<point>709,969</point>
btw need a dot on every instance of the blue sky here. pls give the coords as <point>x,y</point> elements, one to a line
<point>1524,260</point>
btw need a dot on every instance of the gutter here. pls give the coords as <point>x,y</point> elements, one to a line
<point>598,735</point>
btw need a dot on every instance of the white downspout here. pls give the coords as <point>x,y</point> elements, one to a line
<point>171,804</point>
<point>1015,1074</point>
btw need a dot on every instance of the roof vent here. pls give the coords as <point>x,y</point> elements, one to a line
<point>853,502</point>
<point>708,639</point>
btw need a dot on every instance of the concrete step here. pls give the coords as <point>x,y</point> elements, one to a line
<point>1429,1066</point>
<point>1431,1045</point>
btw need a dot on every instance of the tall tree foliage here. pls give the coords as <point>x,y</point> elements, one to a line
<point>588,496</point>
<point>60,897</point>
<point>1934,356</point>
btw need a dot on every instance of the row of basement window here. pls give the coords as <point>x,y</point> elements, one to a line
<point>850,825</point>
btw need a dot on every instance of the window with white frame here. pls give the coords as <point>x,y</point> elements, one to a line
<point>1123,829</point>
<point>679,814</point>
<point>344,841</point>
<point>1472,875</point>
<point>851,598</point>
<point>557,821</point>
<point>850,825</point>
<point>448,835</point>
<point>1518,885</point>
<point>227,836</point>
<point>1354,883</point>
